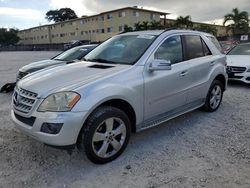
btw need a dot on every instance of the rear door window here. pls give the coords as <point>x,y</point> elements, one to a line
<point>194,48</point>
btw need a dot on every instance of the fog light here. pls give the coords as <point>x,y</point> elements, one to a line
<point>51,128</point>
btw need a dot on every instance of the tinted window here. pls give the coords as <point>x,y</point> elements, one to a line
<point>73,54</point>
<point>241,49</point>
<point>193,47</point>
<point>170,50</point>
<point>206,49</point>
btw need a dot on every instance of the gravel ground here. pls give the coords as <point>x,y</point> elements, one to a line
<point>198,149</point>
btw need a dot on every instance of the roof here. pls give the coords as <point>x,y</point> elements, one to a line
<point>170,31</point>
<point>100,14</point>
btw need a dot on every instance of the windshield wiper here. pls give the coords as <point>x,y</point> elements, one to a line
<point>100,60</point>
<point>60,60</point>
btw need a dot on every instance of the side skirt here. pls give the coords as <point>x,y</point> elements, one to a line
<point>162,118</point>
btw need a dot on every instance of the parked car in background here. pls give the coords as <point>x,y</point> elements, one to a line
<point>69,56</point>
<point>129,83</point>
<point>238,63</point>
<point>228,45</point>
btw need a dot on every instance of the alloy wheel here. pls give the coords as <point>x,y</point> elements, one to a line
<point>109,137</point>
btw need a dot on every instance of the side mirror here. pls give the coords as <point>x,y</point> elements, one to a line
<point>159,64</point>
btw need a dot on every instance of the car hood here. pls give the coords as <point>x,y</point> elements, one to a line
<point>68,77</point>
<point>238,60</point>
<point>32,67</point>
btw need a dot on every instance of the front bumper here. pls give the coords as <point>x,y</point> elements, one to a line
<point>243,77</point>
<point>72,124</point>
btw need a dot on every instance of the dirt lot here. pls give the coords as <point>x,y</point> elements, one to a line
<point>198,149</point>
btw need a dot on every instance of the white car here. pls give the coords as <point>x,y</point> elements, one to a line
<point>238,63</point>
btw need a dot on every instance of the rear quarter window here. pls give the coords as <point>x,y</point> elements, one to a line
<point>216,43</point>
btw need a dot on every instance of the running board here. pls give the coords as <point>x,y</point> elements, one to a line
<point>171,115</point>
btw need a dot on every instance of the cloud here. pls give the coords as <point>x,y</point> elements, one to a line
<point>203,11</point>
<point>77,5</point>
<point>22,13</point>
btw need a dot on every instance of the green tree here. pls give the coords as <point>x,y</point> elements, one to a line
<point>145,25</point>
<point>8,37</point>
<point>184,22</point>
<point>239,21</point>
<point>127,28</point>
<point>155,25</point>
<point>138,26</point>
<point>207,28</point>
<point>60,15</point>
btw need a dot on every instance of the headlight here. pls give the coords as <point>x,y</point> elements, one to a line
<point>248,70</point>
<point>59,102</point>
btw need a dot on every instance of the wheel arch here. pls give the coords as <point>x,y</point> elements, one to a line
<point>222,79</point>
<point>121,104</point>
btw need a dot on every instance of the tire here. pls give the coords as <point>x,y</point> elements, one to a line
<point>215,92</point>
<point>105,134</point>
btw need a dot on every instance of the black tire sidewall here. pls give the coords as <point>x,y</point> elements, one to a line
<point>95,119</point>
<point>207,105</point>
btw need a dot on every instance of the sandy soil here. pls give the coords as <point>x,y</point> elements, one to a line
<point>198,149</point>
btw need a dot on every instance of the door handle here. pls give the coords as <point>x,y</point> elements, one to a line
<point>212,63</point>
<point>183,73</point>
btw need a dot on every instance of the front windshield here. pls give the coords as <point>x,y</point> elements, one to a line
<point>241,49</point>
<point>123,49</point>
<point>73,54</point>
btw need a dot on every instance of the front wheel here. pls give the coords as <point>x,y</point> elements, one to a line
<point>106,134</point>
<point>214,96</point>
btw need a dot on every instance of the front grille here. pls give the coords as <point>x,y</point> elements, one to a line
<point>23,100</point>
<point>28,121</point>
<point>20,75</point>
<point>233,69</point>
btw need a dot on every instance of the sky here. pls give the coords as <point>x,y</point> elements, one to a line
<point>23,14</point>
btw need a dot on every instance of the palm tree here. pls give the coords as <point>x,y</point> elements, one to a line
<point>145,25</point>
<point>184,22</point>
<point>127,28</point>
<point>239,21</point>
<point>207,28</point>
<point>156,25</point>
<point>138,26</point>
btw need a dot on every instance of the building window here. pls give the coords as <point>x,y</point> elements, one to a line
<point>109,29</point>
<point>121,28</point>
<point>86,32</point>
<point>82,33</point>
<point>121,14</point>
<point>109,16</point>
<point>93,31</point>
<point>102,31</point>
<point>136,14</point>
<point>73,34</point>
<point>102,18</point>
<point>82,21</point>
<point>152,16</point>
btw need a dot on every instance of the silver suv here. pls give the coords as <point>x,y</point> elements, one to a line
<point>129,83</point>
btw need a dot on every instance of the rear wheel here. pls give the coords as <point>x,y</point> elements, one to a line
<point>214,96</point>
<point>106,134</point>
